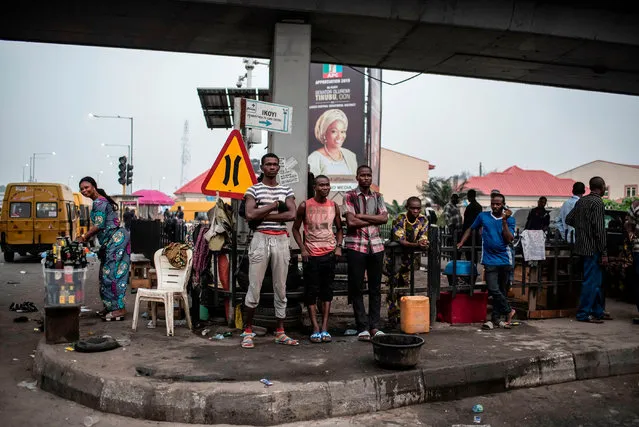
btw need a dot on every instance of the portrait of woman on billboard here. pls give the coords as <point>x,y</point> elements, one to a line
<point>332,158</point>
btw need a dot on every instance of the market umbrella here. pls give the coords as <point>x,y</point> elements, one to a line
<point>153,197</point>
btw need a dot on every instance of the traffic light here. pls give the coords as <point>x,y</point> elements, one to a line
<point>122,170</point>
<point>129,174</point>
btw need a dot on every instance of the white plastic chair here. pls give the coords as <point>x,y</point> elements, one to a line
<point>171,285</point>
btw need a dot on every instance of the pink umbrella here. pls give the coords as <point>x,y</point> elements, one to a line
<point>153,197</point>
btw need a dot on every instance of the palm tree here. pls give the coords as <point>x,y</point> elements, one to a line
<point>439,190</point>
<point>395,209</point>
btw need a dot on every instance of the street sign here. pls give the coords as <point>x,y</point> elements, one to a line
<point>267,116</point>
<point>232,173</point>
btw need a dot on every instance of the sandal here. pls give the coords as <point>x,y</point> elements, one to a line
<point>590,319</point>
<point>285,339</point>
<point>606,316</point>
<point>247,340</point>
<point>378,333</point>
<point>488,325</point>
<point>505,325</point>
<point>326,337</point>
<point>109,317</point>
<point>364,336</point>
<point>316,337</point>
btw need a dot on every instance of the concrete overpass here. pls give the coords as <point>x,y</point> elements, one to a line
<point>592,45</point>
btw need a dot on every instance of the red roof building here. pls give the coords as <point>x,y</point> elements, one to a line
<point>192,190</point>
<point>521,187</point>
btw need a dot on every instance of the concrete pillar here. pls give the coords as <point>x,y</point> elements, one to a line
<point>290,67</point>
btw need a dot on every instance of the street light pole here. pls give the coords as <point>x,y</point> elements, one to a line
<point>130,118</point>
<point>33,164</point>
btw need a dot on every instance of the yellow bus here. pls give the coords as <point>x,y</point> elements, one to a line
<point>83,207</point>
<point>33,215</point>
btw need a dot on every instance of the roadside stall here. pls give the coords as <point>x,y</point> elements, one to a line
<point>151,203</point>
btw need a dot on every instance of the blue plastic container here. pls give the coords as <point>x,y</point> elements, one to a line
<point>463,268</point>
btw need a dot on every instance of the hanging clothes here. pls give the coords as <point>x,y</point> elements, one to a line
<point>201,255</point>
<point>533,243</point>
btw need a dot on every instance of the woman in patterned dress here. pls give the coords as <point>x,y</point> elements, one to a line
<point>115,253</point>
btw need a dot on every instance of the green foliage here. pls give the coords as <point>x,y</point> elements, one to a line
<point>439,190</point>
<point>623,206</point>
<point>395,209</point>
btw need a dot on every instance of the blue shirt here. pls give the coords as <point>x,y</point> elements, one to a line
<point>567,232</point>
<point>495,249</point>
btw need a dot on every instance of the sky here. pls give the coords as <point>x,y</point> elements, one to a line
<point>47,92</point>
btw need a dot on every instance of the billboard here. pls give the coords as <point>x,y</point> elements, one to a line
<point>337,136</point>
<point>375,121</point>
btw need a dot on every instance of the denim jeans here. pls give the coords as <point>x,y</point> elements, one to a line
<point>591,298</point>
<point>635,258</point>
<point>371,264</point>
<point>497,281</point>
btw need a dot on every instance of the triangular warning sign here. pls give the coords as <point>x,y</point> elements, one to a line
<point>232,173</point>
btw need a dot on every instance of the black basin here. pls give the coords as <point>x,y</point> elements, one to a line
<point>397,351</point>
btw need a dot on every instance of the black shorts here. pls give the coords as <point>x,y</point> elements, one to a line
<point>319,272</point>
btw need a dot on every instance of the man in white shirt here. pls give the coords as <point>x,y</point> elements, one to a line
<point>566,231</point>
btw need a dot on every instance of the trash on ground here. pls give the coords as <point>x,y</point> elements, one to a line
<point>228,334</point>
<point>217,337</point>
<point>15,360</point>
<point>25,307</point>
<point>123,341</point>
<point>205,332</point>
<point>145,315</point>
<point>36,329</point>
<point>84,309</point>
<point>12,282</point>
<point>21,319</point>
<point>69,348</point>
<point>23,272</point>
<point>150,325</point>
<point>478,408</point>
<point>350,332</point>
<point>477,419</point>
<point>31,385</point>
<point>266,382</point>
<point>90,421</point>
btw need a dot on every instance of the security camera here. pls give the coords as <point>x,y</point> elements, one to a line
<point>239,84</point>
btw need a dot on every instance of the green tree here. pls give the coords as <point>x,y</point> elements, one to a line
<point>439,190</point>
<point>395,209</point>
<point>623,206</point>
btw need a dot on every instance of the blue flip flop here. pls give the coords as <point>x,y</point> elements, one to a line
<point>316,337</point>
<point>326,337</point>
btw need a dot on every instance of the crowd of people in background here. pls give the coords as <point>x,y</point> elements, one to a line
<point>269,205</point>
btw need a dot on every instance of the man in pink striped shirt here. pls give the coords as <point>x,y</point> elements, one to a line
<point>319,248</point>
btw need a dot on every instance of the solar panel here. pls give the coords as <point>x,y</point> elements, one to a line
<point>217,104</point>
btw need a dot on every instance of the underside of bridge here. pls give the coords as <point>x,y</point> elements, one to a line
<point>586,45</point>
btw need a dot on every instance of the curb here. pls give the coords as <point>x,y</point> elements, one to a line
<point>211,403</point>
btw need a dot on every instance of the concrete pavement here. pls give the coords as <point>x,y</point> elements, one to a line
<point>188,378</point>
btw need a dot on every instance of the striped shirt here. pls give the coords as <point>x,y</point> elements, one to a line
<point>365,239</point>
<point>265,195</point>
<point>588,219</point>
